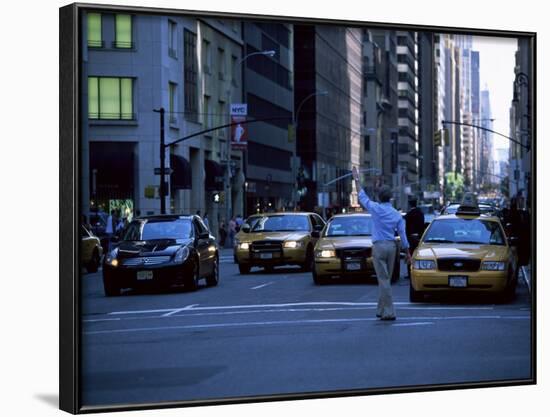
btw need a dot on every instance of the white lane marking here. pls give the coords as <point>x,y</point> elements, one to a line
<point>171,313</point>
<point>261,286</point>
<point>284,322</point>
<point>426,323</point>
<point>98,320</point>
<point>282,305</point>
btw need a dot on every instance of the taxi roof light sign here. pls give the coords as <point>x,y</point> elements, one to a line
<point>469,205</point>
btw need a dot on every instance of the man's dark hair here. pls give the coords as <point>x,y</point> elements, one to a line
<point>413,202</point>
<point>384,194</point>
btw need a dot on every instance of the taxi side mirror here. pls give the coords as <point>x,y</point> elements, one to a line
<point>316,234</point>
<point>245,228</point>
<point>513,241</point>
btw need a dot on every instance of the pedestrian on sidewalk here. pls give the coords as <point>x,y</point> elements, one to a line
<point>414,226</point>
<point>386,221</point>
<point>205,220</point>
<point>232,231</point>
<point>222,231</point>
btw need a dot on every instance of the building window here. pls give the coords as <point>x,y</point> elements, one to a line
<point>221,119</point>
<point>234,70</point>
<point>190,75</point>
<point>172,109</point>
<point>221,63</point>
<point>172,39</point>
<point>206,116</point>
<point>123,31</point>
<point>206,57</point>
<point>110,98</point>
<point>269,68</point>
<point>277,116</point>
<point>367,143</point>
<point>95,39</point>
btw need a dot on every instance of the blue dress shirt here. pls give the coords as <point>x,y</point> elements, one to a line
<point>386,220</point>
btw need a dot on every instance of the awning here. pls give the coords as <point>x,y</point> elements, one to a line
<point>181,177</point>
<point>214,176</point>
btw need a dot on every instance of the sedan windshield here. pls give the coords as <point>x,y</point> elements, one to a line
<point>465,231</point>
<point>159,230</point>
<point>350,226</point>
<point>282,223</point>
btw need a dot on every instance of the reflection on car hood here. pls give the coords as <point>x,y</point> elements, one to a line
<point>453,250</point>
<point>253,236</point>
<point>343,242</point>
<point>158,247</point>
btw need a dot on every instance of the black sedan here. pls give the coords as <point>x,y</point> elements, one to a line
<point>162,251</point>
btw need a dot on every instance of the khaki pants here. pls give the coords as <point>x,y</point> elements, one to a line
<point>383,255</point>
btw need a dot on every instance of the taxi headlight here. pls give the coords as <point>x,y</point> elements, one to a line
<point>244,246</point>
<point>292,244</point>
<point>424,264</point>
<point>111,257</point>
<point>181,255</point>
<point>325,254</point>
<point>493,266</point>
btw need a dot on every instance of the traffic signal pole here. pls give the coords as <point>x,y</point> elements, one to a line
<point>162,189</point>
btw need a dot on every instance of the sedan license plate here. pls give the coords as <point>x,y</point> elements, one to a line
<point>458,281</point>
<point>266,255</point>
<point>353,266</point>
<point>144,275</point>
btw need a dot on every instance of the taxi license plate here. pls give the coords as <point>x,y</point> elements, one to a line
<point>353,266</point>
<point>266,255</point>
<point>144,275</point>
<point>458,281</point>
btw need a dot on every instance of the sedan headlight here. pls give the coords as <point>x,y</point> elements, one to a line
<point>111,257</point>
<point>493,266</point>
<point>181,255</point>
<point>244,246</point>
<point>325,253</point>
<point>292,244</point>
<point>424,264</point>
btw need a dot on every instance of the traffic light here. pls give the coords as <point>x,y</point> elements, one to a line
<point>216,198</point>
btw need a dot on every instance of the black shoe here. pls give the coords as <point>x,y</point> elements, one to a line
<point>378,315</point>
<point>389,318</point>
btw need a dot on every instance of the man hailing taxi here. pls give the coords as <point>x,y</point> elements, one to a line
<point>386,221</point>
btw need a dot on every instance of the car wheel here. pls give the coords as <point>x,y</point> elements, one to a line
<point>214,278</point>
<point>244,269</point>
<point>396,270</point>
<point>308,263</point>
<point>318,280</point>
<point>509,293</point>
<point>193,281</point>
<point>111,289</point>
<point>415,296</point>
<point>93,265</point>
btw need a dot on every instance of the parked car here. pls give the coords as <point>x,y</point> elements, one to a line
<point>279,239</point>
<point>90,250</point>
<point>162,251</point>
<point>345,249</point>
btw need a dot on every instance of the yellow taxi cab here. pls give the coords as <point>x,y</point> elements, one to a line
<point>244,231</point>
<point>345,249</point>
<point>90,250</point>
<point>464,252</point>
<point>276,239</point>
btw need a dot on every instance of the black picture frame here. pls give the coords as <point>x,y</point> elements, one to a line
<point>70,166</point>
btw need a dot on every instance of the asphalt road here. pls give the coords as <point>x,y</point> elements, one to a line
<point>278,333</point>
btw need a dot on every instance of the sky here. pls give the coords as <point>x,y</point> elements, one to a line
<point>496,67</point>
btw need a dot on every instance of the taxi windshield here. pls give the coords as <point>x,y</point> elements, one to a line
<point>281,223</point>
<point>350,226</point>
<point>466,231</point>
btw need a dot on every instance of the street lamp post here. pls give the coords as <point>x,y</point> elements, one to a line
<point>295,119</point>
<point>228,202</point>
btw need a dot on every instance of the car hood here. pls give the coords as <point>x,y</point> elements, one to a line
<point>253,236</point>
<point>158,247</point>
<point>342,242</point>
<point>453,250</point>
